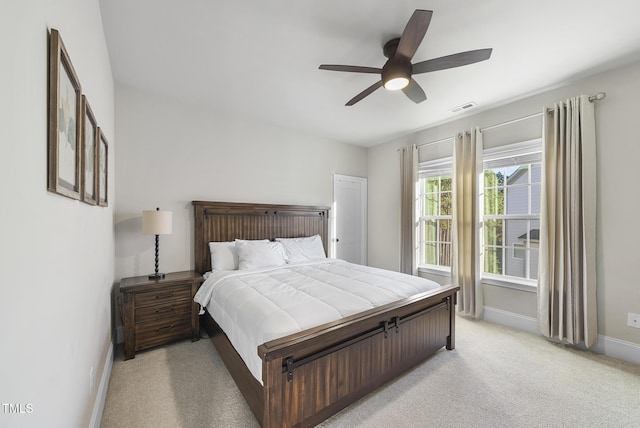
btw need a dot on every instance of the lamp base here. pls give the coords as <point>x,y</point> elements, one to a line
<point>156,276</point>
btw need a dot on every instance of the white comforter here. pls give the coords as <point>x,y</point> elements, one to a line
<point>256,306</point>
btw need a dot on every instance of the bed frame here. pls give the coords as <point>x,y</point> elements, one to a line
<point>313,374</point>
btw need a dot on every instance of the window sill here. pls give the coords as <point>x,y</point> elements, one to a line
<point>445,272</point>
<point>513,283</point>
<point>495,280</point>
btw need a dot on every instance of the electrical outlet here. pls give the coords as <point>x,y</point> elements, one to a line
<point>91,380</point>
<point>633,320</point>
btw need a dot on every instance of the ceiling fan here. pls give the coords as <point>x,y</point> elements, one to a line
<point>397,71</point>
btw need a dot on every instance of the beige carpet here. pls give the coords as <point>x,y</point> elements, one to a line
<point>496,377</point>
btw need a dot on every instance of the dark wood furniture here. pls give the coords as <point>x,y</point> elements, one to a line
<point>155,312</point>
<point>311,375</point>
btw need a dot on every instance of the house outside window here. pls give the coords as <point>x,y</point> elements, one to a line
<point>511,220</point>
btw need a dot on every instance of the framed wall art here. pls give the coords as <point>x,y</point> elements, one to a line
<point>103,169</point>
<point>89,154</point>
<point>65,116</point>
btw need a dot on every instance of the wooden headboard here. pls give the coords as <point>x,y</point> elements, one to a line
<point>226,221</point>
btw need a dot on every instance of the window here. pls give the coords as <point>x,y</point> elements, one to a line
<point>434,222</point>
<point>511,221</point>
<point>510,208</point>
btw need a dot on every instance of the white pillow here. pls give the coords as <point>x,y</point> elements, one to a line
<point>303,249</point>
<point>253,255</point>
<point>224,255</point>
<point>244,241</point>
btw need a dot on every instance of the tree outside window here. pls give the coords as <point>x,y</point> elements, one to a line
<point>435,221</point>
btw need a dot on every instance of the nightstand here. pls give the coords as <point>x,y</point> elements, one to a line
<point>155,312</point>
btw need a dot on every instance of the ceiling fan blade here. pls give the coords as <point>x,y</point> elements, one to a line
<point>364,93</point>
<point>414,92</point>
<point>451,61</point>
<point>414,33</point>
<point>350,68</point>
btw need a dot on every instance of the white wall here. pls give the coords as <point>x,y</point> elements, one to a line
<point>618,153</point>
<point>56,254</point>
<point>170,153</point>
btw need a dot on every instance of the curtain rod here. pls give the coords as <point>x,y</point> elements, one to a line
<point>597,97</point>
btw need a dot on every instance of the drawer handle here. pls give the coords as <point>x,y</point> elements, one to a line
<point>161,311</point>
<point>169,327</point>
<point>164,296</point>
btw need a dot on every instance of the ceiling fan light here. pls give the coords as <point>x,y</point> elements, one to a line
<point>396,83</point>
<point>396,73</point>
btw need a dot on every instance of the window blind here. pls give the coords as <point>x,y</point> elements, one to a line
<point>513,154</point>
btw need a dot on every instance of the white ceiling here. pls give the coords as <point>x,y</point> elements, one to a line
<point>260,59</point>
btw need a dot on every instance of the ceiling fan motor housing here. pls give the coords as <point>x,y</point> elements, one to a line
<point>396,67</point>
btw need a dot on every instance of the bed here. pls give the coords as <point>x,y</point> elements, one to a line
<point>312,374</point>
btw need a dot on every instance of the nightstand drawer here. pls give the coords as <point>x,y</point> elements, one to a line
<point>163,310</point>
<point>158,296</point>
<point>159,332</point>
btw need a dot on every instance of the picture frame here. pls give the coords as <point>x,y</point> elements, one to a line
<point>102,169</point>
<point>90,138</point>
<point>65,117</point>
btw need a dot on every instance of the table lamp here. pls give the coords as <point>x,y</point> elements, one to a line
<point>156,223</point>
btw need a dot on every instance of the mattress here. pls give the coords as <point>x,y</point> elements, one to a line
<point>255,306</point>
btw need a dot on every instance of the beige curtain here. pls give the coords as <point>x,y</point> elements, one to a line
<point>567,271</point>
<point>465,266</point>
<point>409,178</point>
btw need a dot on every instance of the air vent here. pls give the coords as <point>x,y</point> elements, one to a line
<point>464,106</point>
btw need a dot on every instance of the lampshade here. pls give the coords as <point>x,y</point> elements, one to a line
<point>156,222</point>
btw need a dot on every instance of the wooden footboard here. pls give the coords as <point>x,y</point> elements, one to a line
<point>313,374</point>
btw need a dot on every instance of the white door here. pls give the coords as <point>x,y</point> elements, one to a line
<point>350,218</point>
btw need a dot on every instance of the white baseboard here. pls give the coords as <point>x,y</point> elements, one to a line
<point>511,319</point>
<point>608,346</point>
<point>101,396</point>
<point>617,348</point>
